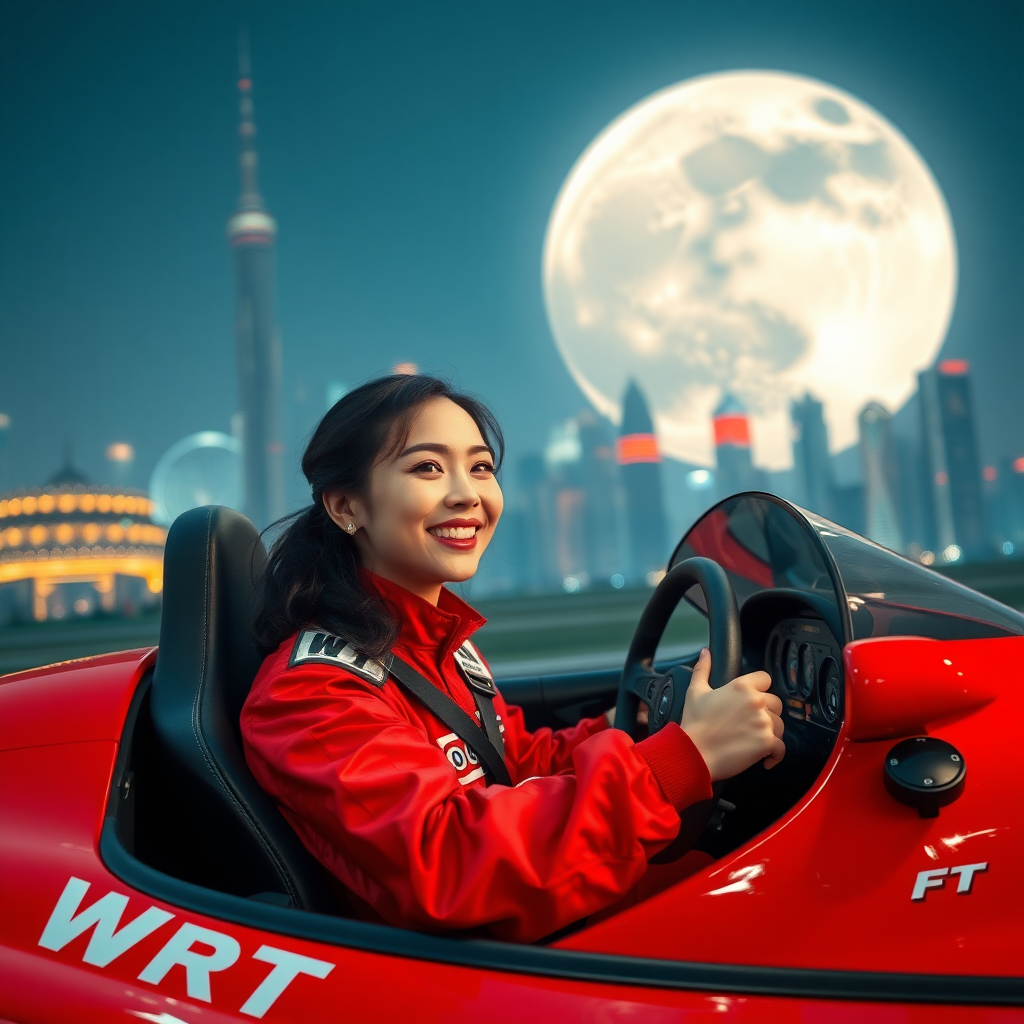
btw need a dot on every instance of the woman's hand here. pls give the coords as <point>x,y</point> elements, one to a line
<point>642,716</point>
<point>735,725</point>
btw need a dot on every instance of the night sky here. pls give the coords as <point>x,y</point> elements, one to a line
<point>411,154</point>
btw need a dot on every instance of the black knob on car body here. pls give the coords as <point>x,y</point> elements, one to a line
<point>926,773</point>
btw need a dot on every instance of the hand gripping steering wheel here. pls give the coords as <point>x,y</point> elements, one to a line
<point>664,694</point>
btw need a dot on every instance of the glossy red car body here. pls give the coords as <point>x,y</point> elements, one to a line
<point>821,916</point>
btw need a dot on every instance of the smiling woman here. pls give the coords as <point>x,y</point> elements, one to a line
<point>402,473</point>
<point>377,729</point>
<point>425,517</point>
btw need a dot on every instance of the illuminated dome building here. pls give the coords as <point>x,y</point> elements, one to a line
<point>75,548</point>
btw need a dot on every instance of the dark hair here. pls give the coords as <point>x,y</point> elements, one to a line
<point>311,577</point>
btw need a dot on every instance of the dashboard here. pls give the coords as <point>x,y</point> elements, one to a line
<point>805,663</point>
<point>792,636</point>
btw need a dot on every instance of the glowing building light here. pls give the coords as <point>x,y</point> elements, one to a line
<point>989,473</point>
<point>618,581</point>
<point>1018,465</point>
<point>634,448</point>
<point>655,577</point>
<point>1008,547</point>
<point>406,369</point>
<point>571,585</point>
<point>732,428</point>
<point>951,553</point>
<point>954,367</point>
<point>927,557</point>
<point>120,452</point>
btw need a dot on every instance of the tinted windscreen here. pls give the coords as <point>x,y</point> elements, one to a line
<point>763,544</point>
<point>889,595</point>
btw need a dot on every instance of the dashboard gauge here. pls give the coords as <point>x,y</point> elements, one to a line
<point>830,690</point>
<point>805,686</point>
<point>771,660</point>
<point>790,666</point>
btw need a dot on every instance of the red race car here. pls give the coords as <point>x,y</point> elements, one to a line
<point>146,877</point>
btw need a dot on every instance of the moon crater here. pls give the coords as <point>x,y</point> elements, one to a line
<point>756,232</point>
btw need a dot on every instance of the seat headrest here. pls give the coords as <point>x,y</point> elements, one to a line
<point>212,559</point>
<point>205,666</point>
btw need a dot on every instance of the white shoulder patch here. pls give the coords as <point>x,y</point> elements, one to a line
<point>318,647</point>
<point>474,669</point>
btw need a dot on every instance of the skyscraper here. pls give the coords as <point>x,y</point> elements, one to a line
<point>531,525</point>
<point>1004,496</point>
<point>736,470</point>
<point>812,464</point>
<point>639,457</point>
<point>599,478</point>
<point>565,501</point>
<point>251,232</point>
<point>881,476</point>
<point>1012,489</point>
<point>952,453</point>
<point>5,431</point>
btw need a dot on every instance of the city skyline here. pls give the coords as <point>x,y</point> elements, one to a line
<point>35,440</point>
<point>922,491</point>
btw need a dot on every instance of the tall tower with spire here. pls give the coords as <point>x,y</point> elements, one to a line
<point>251,232</point>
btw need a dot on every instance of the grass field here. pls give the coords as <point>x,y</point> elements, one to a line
<point>524,634</point>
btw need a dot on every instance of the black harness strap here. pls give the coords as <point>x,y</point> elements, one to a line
<point>489,719</point>
<point>480,741</point>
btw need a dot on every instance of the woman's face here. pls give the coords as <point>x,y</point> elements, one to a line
<point>428,514</point>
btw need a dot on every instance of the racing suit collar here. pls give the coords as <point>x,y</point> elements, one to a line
<point>444,628</point>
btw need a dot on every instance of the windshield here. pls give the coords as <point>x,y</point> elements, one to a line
<point>765,543</point>
<point>889,595</point>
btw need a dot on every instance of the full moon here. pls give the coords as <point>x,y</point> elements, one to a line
<point>752,232</point>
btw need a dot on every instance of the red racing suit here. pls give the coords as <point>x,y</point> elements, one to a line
<point>391,802</point>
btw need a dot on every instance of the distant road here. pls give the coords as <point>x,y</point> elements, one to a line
<point>524,635</point>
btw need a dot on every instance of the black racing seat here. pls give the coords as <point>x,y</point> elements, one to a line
<point>204,668</point>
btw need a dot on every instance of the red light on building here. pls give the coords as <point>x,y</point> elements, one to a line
<point>633,448</point>
<point>989,473</point>
<point>244,84</point>
<point>732,429</point>
<point>942,478</point>
<point>954,367</point>
<point>1018,465</point>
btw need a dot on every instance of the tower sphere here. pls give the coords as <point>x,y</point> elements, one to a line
<point>251,226</point>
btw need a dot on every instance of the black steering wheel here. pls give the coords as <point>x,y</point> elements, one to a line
<point>665,693</point>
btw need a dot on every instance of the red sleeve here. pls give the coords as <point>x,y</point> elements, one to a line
<point>543,751</point>
<point>378,804</point>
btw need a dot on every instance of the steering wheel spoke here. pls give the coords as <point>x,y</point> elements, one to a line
<point>644,685</point>
<point>665,694</point>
